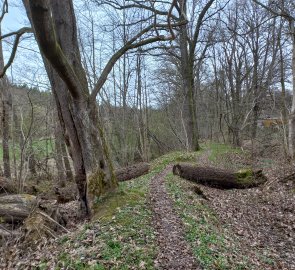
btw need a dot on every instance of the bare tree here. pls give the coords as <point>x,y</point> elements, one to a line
<point>283,8</point>
<point>76,105</point>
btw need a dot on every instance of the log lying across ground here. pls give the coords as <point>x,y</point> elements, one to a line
<point>133,171</point>
<point>17,207</point>
<point>220,178</point>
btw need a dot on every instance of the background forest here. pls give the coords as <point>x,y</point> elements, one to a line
<point>94,93</point>
<point>241,92</point>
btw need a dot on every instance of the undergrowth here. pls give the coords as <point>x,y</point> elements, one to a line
<point>213,247</point>
<point>119,237</point>
<point>125,237</point>
<point>218,150</point>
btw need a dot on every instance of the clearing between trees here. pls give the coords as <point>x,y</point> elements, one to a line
<point>162,221</point>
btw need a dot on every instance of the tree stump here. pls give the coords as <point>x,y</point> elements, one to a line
<point>218,178</point>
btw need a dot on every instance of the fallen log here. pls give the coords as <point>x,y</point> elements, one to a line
<point>133,171</point>
<point>220,178</point>
<point>34,218</point>
<point>16,208</point>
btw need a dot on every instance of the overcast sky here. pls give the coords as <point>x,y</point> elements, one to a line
<point>14,19</point>
<point>27,66</point>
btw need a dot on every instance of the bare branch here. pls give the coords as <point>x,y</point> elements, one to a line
<point>131,44</point>
<point>198,26</point>
<point>135,4</point>
<point>4,10</point>
<point>18,35</point>
<point>282,13</point>
<point>47,40</point>
<point>18,32</point>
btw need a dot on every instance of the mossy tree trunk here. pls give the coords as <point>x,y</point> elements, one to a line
<point>220,178</point>
<point>54,25</point>
<point>55,29</point>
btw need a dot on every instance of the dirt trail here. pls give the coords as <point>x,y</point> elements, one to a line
<point>174,251</point>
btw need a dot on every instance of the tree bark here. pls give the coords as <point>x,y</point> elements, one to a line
<point>189,105</point>
<point>132,171</point>
<point>55,29</point>
<point>15,208</point>
<point>6,108</point>
<point>188,46</point>
<point>292,114</point>
<point>69,173</point>
<point>59,156</point>
<point>6,112</point>
<point>220,178</point>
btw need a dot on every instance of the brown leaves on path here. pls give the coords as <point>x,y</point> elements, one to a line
<point>174,251</point>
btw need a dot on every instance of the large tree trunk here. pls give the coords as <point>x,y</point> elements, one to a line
<point>133,171</point>
<point>59,155</point>
<point>77,113</point>
<point>38,218</point>
<point>189,105</point>
<point>292,114</point>
<point>6,111</point>
<point>220,178</point>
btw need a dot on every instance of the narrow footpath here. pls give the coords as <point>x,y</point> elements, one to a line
<point>174,251</point>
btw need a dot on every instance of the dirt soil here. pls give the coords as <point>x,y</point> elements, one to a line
<point>174,250</point>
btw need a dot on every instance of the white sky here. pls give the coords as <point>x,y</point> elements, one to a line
<point>14,19</point>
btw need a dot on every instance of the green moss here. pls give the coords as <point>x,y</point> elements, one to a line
<point>245,176</point>
<point>95,183</point>
<point>124,237</point>
<point>244,173</point>
<point>106,207</point>
<point>218,149</point>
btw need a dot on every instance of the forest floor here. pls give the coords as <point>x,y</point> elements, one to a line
<point>157,221</point>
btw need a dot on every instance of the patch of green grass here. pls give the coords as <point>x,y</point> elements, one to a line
<point>107,207</point>
<point>203,231</point>
<point>123,238</point>
<point>39,147</point>
<point>217,150</point>
<point>160,163</point>
<point>66,262</point>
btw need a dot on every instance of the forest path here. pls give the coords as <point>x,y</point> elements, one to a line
<point>174,251</point>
